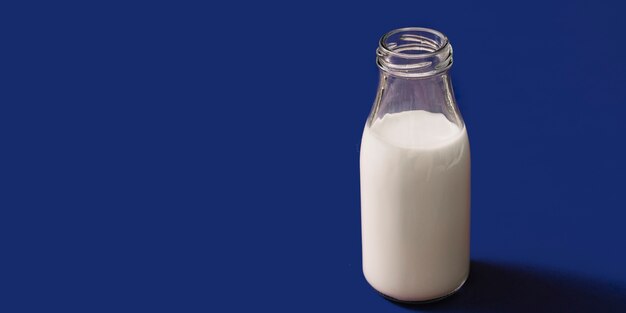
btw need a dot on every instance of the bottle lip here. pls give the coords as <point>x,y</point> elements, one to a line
<point>414,52</point>
<point>382,44</point>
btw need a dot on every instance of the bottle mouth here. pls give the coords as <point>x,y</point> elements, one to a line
<point>414,52</point>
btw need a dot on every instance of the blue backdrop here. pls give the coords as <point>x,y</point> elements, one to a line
<point>198,157</point>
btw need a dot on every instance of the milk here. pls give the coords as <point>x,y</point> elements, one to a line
<point>415,205</point>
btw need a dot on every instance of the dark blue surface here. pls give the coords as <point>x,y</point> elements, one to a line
<point>204,157</point>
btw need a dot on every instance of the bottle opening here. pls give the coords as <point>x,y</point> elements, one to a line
<point>414,52</point>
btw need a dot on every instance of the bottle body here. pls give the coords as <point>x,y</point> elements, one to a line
<point>415,189</point>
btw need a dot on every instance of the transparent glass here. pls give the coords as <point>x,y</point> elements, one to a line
<point>414,64</point>
<point>415,173</point>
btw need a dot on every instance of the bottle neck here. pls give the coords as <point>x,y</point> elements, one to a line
<point>414,74</point>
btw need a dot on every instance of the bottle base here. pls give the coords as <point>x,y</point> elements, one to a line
<point>424,301</point>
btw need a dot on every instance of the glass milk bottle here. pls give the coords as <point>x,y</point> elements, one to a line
<point>415,173</point>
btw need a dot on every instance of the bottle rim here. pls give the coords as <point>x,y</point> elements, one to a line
<point>414,52</point>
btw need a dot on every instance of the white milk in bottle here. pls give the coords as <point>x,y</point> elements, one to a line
<point>415,168</point>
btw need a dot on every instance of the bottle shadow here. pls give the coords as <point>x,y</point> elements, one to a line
<point>494,287</point>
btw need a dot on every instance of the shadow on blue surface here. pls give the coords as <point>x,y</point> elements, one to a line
<point>493,287</point>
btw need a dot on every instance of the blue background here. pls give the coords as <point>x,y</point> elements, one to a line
<point>197,157</point>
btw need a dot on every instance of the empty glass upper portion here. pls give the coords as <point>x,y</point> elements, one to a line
<point>414,75</point>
